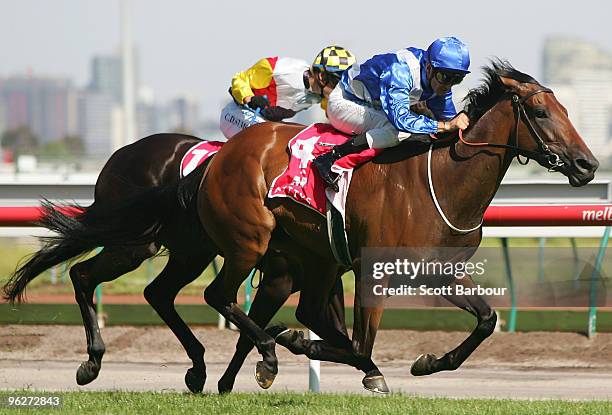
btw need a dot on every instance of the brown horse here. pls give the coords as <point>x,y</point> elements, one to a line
<point>114,223</point>
<point>389,205</point>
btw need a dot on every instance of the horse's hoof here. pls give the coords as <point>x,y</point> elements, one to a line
<point>263,375</point>
<point>195,380</point>
<point>423,365</point>
<point>225,386</point>
<point>376,384</point>
<point>87,372</point>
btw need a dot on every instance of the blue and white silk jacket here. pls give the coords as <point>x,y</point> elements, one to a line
<point>395,81</point>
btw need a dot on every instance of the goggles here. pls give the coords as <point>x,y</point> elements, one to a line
<point>448,78</point>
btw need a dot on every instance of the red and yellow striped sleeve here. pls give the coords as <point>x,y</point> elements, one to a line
<point>258,76</point>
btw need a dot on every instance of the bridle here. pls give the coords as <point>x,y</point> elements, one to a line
<point>544,153</point>
<point>552,160</point>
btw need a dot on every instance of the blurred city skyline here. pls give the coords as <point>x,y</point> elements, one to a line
<point>44,84</point>
<point>190,47</point>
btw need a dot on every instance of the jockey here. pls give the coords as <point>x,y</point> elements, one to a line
<point>277,88</point>
<point>389,97</point>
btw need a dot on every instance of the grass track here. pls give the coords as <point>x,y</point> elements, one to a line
<point>293,403</point>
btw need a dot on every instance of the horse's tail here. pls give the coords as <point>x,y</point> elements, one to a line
<point>133,221</point>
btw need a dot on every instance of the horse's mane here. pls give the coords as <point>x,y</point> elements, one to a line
<point>482,98</point>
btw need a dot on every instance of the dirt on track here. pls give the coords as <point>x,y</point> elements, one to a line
<point>158,344</point>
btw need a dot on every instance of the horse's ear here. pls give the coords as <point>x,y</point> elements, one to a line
<point>509,83</point>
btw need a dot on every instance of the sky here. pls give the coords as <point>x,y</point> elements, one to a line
<point>195,46</point>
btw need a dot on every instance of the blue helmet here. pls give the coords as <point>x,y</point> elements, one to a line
<point>449,53</point>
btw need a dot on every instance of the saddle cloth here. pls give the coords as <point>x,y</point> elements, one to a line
<point>197,155</point>
<point>303,184</point>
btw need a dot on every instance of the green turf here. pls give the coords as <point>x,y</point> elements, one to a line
<point>294,403</point>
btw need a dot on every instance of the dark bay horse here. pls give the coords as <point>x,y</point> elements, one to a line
<point>389,205</point>
<point>148,163</point>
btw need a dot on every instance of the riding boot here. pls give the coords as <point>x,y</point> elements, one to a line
<point>324,162</point>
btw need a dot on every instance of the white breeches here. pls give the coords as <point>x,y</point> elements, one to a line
<point>354,118</point>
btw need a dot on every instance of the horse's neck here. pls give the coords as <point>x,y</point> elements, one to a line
<point>475,172</point>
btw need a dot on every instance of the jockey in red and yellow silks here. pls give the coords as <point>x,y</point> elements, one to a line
<point>275,88</point>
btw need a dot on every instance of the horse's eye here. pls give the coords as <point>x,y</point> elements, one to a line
<point>540,113</point>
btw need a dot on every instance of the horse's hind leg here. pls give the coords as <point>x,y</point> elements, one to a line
<point>161,293</point>
<point>107,265</point>
<point>276,286</point>
<point>475,305</point>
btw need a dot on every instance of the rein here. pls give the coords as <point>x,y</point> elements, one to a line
<point>552,159</point>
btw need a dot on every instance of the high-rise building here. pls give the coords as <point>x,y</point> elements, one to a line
<point>101,105</point>
<point>47,105</point>
<point>106,75</point>
<point>99,124</point>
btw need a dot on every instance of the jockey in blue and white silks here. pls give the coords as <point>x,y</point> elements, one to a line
<point>389,97</point>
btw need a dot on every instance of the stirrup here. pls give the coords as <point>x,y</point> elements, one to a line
<point>333,183</point>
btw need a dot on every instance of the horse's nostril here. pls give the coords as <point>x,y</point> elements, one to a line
<point>586,165</point>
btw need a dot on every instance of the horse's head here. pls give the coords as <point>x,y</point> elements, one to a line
<point>543,130</point>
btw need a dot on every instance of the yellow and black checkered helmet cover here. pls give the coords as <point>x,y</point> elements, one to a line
<point>334,59</point>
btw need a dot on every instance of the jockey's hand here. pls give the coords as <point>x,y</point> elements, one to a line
<point>258,102</point>
<point>460,122</point>
<point>277,113</point>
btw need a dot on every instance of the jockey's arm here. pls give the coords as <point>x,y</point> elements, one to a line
<point>257,76</point>
<point>395,87</point>
<point>444,111</point>
<point>442,107</point>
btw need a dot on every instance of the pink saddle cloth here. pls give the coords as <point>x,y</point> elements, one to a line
<point>300,181</point>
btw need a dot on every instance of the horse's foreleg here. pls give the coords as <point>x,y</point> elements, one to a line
<point>365,326</point>
<point>162,291</point>
<point>474,304</point>
<point>274,290</point>
<point>221,295</point>
<point>105,266</point>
